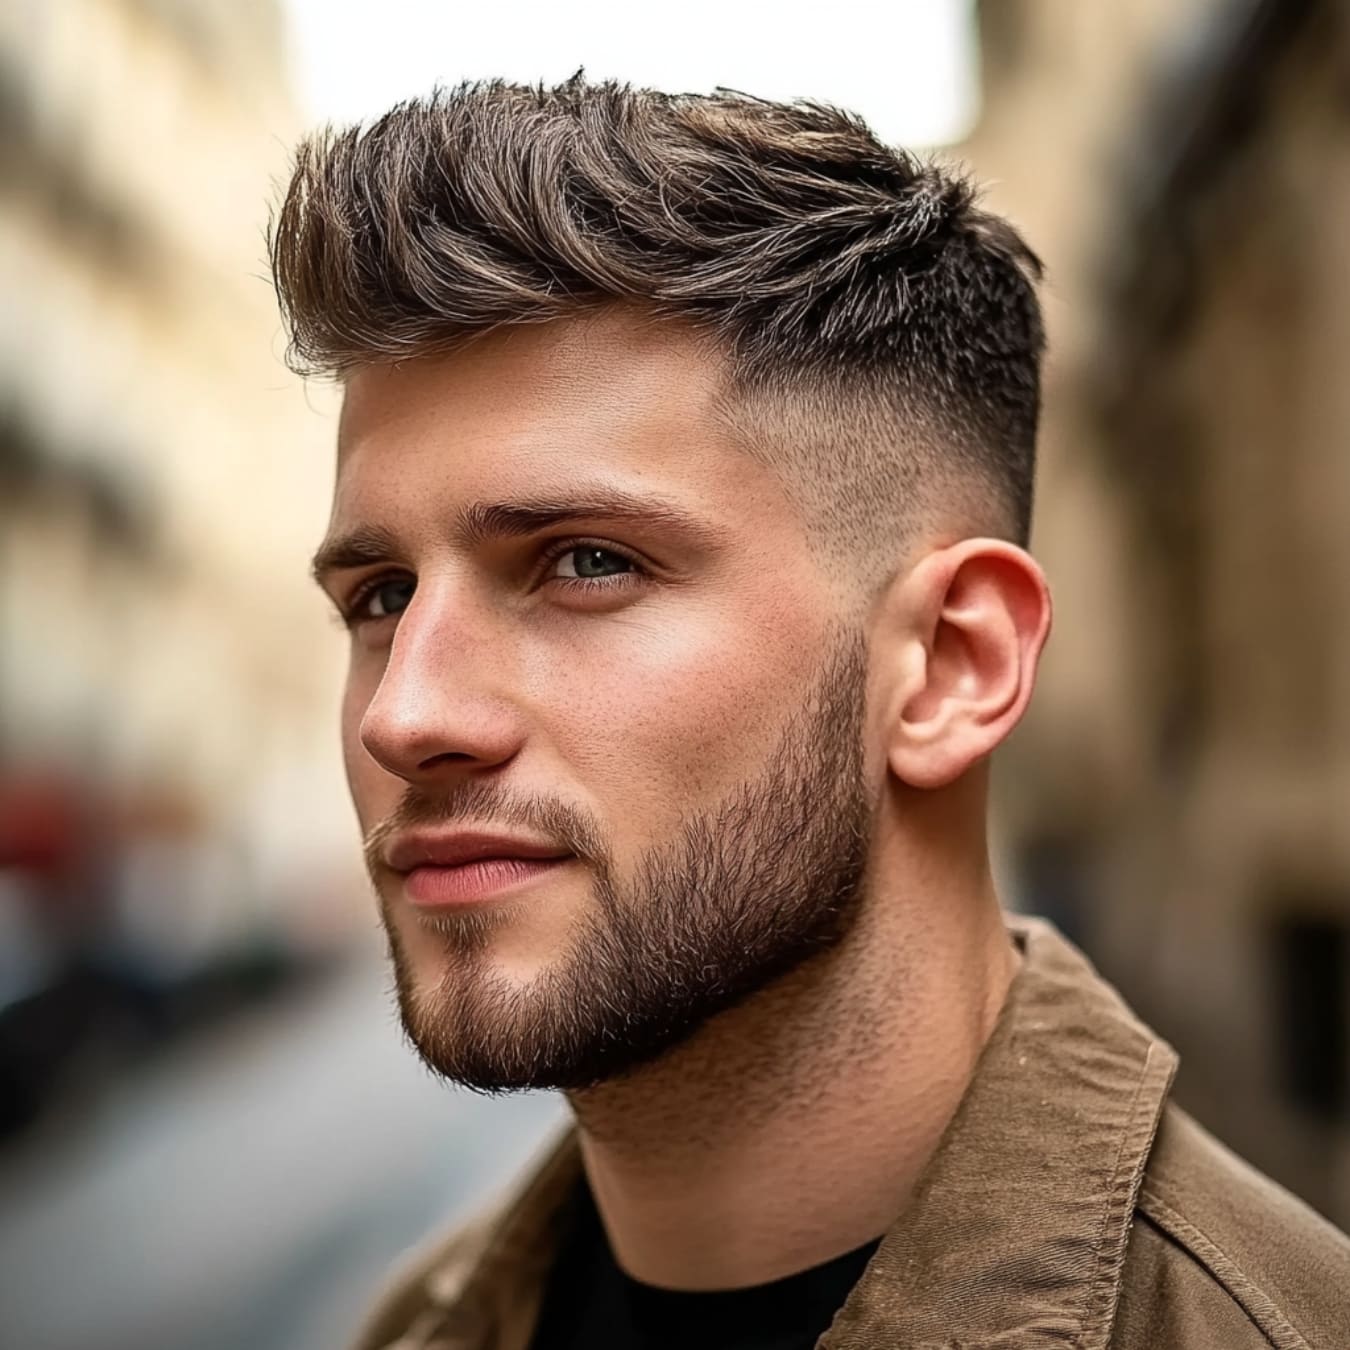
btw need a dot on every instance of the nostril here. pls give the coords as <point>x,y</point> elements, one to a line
<point>446,757</point>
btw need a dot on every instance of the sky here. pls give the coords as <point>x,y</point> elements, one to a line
<point>908,66</point>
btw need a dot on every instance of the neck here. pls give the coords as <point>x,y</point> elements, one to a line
<point>793,1127</point>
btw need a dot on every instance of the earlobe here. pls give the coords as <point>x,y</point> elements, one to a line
<point>967,626</point>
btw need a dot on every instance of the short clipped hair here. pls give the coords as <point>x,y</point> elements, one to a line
<point>876,324</point>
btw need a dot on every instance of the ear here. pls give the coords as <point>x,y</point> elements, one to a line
<point>957,647</point>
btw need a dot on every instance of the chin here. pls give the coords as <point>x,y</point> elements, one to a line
<point>512,941</point>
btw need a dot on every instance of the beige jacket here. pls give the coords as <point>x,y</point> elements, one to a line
<point>1070,1204</point>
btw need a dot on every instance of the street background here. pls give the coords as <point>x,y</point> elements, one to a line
<point>211,1134</point>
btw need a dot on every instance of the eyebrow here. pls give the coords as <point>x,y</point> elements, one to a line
<point>358,547</point>
<point>479,522</point>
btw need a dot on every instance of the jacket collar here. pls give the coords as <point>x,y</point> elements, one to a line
<point>1015,1235</point>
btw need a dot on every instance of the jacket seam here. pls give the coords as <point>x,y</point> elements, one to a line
<point>1226,1272</point>
<point>1096,1312</point>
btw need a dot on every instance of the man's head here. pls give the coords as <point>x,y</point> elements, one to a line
<point>686,455</point>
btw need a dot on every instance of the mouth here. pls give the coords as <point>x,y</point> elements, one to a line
<point>432,886</point>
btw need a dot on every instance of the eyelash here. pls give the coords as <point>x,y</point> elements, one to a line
<point>350,615</point>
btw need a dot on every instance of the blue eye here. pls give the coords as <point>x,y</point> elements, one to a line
<point>588,562</point>
<point>385,598</point>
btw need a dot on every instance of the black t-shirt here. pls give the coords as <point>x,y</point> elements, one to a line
<point>591,1304</point>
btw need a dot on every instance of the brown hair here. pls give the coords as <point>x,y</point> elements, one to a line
<point>879,328</point>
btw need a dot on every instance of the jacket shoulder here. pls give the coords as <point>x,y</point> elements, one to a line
<point>485,1270</point>
<point>1223,1256</point>
<point>410,1295</point>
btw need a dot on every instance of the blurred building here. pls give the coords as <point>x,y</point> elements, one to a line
<point>1179,795</point>
<point>169,785</point>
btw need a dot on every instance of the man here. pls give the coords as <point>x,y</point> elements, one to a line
<point>684,486</point>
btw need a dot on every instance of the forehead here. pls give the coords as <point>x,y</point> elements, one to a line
<point>537,407</point>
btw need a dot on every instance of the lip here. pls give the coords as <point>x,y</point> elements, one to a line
<point>419,849</point>
<point>470,883</point>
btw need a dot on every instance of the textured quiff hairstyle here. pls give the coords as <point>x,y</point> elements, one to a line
<point>881,335</point>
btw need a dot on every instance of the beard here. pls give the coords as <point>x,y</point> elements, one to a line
<point>746,891</point>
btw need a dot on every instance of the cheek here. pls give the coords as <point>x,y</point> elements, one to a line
<point>661,714</point>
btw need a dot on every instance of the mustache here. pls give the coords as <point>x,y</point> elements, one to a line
<point>485,803</point>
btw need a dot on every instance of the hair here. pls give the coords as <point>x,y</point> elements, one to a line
<point>882,335</point>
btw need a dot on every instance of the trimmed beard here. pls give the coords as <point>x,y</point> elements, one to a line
<point>748,890</point>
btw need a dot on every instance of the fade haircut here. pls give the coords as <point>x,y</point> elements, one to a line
<point>881,335</point>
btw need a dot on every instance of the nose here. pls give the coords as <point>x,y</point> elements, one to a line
<point>440,709</point>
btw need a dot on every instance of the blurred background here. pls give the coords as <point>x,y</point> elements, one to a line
<point>211,1136</point>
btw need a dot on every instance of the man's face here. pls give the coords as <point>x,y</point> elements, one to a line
<point>603,725</point>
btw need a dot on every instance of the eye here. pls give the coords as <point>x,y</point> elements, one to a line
<point>589,562</point>
<point>381,599</point>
